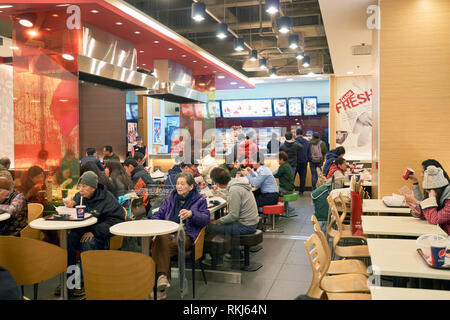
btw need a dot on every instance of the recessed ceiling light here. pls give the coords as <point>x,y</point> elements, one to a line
<point>156,41</point>
<point>137,32</point>
<point>6,6</point>
<point>144,64</point>
<point>206,67</point>
<point>32,33</point>
<point>214,71</point>
<point>68,57</point>
<point>63,5</point>
<point>220,77</point>
<point>119,23</point>
<point>26,23</point>
<point>194,61</point>
<point>233,83</point>
<point>183,56</point>
<point>94,11</point>
<point>350,72</point>
<point>63,100</point>
<point>241,87</point>
<point>170,49</point>
<point>55,15</point>
<point>141,51</point>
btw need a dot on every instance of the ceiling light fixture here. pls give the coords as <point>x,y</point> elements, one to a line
<point>183,56</point>
<point>198,11</point>
<point>222,30</point>
<point>299,56</point>
<point>137,32</point>
<point>32,33</point>
<point>26,23</point>
<point>194,61</point>
<point>119,23</point>
<point>94,11</point>
<point>233,83</point>
<point>170,49</point>
<point>263,63</point>
<point>220,77</point>
<point>68,57</point>
<point>6,6</point>
<point>284,24</point>
<point>241,87</point>
<point>272,6</point>
<point>63,5</point>
<point>141,51</point>
<point>293,41</point>
<point>253,56</point>
<point>156,41</point>
<point>239,44</point>
<point>306,61</point>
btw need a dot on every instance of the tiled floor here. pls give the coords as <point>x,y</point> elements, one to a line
<point>285,274</point>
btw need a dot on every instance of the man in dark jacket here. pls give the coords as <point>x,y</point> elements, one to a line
<point>273,146</point>
<point>141,179</point>
<point>103,205</point>
<point>91,155</point>
<point>332,155</point>
<point>303,157</point>
<point>291,147</point>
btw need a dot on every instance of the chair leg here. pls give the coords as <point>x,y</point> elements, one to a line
<point>247,265</point>
<point>23,290</point>
<point>36,286</point>
<point>203,271</point>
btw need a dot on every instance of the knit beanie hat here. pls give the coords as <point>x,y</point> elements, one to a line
<point>433,178</point>
<point>5,184</point>
<point>89,178</point>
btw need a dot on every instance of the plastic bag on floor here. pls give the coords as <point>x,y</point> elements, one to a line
<point>182,261</point>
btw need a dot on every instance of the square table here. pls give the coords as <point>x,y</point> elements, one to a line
<point>389,293</point>
<point>378,206</point>
<point>399,258</point>
<point>62,227</point>
<point>399,226</point>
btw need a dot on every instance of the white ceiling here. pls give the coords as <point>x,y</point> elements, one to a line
<point>345,27</point>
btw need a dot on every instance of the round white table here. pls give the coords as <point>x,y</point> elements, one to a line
<point>62,227</point>
<point>4,216</point>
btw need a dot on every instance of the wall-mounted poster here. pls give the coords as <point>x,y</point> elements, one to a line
<point>310,106</point>
<point>295,106</point>
<point>280,107</point>
<point>214,109</point>
<point>247,108</point>
<point>132,134</point>
<point>157,131</point>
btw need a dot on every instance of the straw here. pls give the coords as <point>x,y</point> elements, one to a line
<point>81,201</point>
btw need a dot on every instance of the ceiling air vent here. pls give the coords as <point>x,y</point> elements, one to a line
<point>361,50</point>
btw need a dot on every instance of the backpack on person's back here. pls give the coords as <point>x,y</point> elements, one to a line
<point>316,153</point>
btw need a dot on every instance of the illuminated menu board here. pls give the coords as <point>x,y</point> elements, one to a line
<point>310,106</point>
<point>280,107</point>
<point>247,108</point>
<point>295,106</point>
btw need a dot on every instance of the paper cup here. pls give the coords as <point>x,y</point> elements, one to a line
<point>408,172</point>
<point>80,211</point>
<point>438,250</point>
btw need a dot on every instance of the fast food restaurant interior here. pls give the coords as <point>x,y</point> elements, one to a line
<point>224,150</point>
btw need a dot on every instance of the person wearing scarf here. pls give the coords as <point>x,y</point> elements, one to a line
<point>186,204</point>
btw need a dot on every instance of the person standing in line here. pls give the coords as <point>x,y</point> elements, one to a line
<point>303,157</point>
<point>273,146</point>
<point>292,148</point>
<point>139,147</point>
<point>317,150</point>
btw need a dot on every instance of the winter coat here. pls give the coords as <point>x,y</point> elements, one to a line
<point>93,159</point>
<point>431,213</point>
<point>292,149</point>
<point>104,206</point>
<point>200,213</point>
<point>242,206</point>
<point>303,156</point>
<point>15,204</point>
<point>248,148</point>
<point>140,173</point>
<point>330,157</point>
<point>335,170</point>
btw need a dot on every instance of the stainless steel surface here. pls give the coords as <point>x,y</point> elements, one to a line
<point>170,71</point>
<point>211,275</point>
<point>98,71</point>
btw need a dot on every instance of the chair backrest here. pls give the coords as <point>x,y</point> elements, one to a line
<point>319,264</point>
<point>115,242</point>
<point>336,218</point>
<point>35,211</point>
<point>30,233</point>
<point>199,244</point>
<point>117,275</point>
<point>31,261</point>
<point>344,208</point>
<point>322,237</point>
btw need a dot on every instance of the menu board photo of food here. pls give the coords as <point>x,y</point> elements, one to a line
<point>279,107</point>
<point>247,108</point>
<point>295,106</point>
<point>214,109</point>
<point>310,106</point>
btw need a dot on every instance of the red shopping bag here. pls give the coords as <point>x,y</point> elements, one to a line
<point>356,214</point>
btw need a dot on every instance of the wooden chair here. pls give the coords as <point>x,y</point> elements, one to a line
<point>321,179</point>
<point>196,253</point>
<point>338,266</point>
<point>349,296</point>
<point>35,211</point>
<point>117,275</point>
<point>31,261</point>
<point>320,282</point>
<point>115,242</point>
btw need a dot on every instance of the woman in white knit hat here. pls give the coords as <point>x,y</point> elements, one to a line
<point>436,208</point>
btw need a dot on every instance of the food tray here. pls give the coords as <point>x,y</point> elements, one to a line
<point>445,266</point>
<point>58,217</point>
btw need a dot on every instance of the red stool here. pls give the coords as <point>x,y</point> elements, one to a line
<point>274,210</point>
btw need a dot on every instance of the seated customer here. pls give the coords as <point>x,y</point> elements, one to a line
<point>12,202</point>
<point>230,167</point>
<point>242,217</point>
<point>436,208</point>
<point>91,155</point>
<point>267,194</point>
<point>141,181</point>
<point>184,203</point>
<point>284,175</point>
<point>337,169</point>
<point>104,206</point>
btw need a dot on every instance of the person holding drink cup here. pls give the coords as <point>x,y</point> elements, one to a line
<point>436,206</point>
<point>94,199</point>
